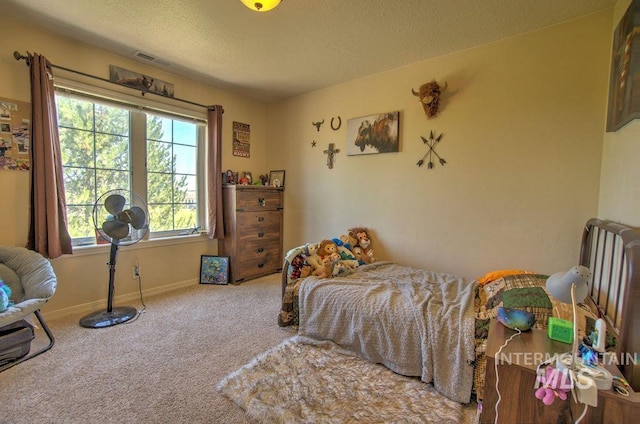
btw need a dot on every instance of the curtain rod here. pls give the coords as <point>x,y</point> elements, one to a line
<point>19,56</point>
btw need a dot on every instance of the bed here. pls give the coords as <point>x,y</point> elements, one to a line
<point>434,325</point>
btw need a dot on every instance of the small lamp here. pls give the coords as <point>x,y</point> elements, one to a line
<point>261,5</point>
<point>571,287</point>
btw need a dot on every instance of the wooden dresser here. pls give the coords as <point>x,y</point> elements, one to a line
<point>252,230</point>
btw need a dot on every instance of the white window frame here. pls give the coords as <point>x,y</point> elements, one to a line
<point>138,150</point>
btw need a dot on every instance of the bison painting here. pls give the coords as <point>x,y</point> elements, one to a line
<point>373,134</point>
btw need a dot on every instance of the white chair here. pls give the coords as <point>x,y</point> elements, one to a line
<point>33,282</point>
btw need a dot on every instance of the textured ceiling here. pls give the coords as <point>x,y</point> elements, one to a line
<point>302,45</point>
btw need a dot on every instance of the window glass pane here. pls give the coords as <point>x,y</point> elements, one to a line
<point>74,113</point>
<point>159,188</point>
<point>76,147</point>
<point>79,184</point>
<point>185,189</point>
<point>111,180</point>
<point>186,216</point>
<point>159,128</point>
<point>112,120</point>
<point>159,157</point>
<point>112,152</point>
<point>185,133</point>
<point>185,158</point>
<point>161,217</point>
<point>80,221</point>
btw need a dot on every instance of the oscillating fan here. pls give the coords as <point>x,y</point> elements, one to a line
<point>121,218</point>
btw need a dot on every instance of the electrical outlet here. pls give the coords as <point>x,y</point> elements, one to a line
<point>135,272</point>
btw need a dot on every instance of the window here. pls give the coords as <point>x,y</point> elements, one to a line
<point>107,145</point>
<point>172,187</point>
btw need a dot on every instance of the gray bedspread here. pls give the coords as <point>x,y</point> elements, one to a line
<point>413,321</point>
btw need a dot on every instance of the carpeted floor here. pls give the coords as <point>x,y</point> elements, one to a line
<point>162,368</point>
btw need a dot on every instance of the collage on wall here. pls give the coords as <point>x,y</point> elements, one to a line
<point>15,139</point>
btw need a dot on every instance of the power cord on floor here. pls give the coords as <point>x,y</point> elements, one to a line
<point>144,306</point>
<point>495,366</point>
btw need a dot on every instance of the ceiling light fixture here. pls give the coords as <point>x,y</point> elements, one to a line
<point>261,5</point>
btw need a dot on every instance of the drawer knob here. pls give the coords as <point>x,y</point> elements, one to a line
<point>260,234</point>
<point>260,265</point>
<point>262,202</point>
<point>260,249</point>
<point>261,218</point>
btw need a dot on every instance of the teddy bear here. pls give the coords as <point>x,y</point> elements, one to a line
<point>555,384</point>
<point>5,296</point>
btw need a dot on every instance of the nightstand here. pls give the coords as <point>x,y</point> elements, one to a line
<point>517,377</point>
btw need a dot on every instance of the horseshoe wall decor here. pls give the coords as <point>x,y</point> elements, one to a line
<point>339,124</point>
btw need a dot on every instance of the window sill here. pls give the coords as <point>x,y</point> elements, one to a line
<point>143,244</point>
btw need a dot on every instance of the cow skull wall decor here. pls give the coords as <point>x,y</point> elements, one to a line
<point>429,96</point>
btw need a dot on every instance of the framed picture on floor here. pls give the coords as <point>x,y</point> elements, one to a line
<point>214,269</point>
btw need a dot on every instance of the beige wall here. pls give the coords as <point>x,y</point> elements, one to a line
<point>620,182</point>
<point>83,278</point>
<point>523,120</point>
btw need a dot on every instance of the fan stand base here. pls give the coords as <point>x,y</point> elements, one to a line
<point>104,318</point>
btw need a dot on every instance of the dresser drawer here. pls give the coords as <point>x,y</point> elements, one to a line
<point>251,267</point>
<point>264,225</point>
<point>259,248</point>
<point>258,200</point>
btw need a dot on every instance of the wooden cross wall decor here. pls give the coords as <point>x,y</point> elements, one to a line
<point>331,152</point>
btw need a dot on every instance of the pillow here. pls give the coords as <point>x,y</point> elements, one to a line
<point>494,275</point>
<point>520,291</point>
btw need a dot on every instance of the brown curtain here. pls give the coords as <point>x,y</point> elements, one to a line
<point>48,233</point>
<point>214,167</point>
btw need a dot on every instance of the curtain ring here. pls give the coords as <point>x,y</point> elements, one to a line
<point>339,124</point>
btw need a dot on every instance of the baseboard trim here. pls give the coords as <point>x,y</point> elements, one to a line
<point>86,308</point>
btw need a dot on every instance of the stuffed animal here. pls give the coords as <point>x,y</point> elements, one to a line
<point>369,255</point>
<point>555,384</point>
<point>346,255</point>
<point>311,253</point>
<point>327,248</point>
<point>324,271</point>
<point>361,235</point>
<point>364,256</point>
<point>296,266</point>
<point>306,270</point>
<point>5,296</point>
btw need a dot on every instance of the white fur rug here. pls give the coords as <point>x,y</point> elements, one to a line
<point>296,382</point>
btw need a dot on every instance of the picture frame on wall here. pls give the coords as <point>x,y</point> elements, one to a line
<point>276,178</point>
<point>624,90</point>
<point>214,269</point>
<point>373,134</point>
